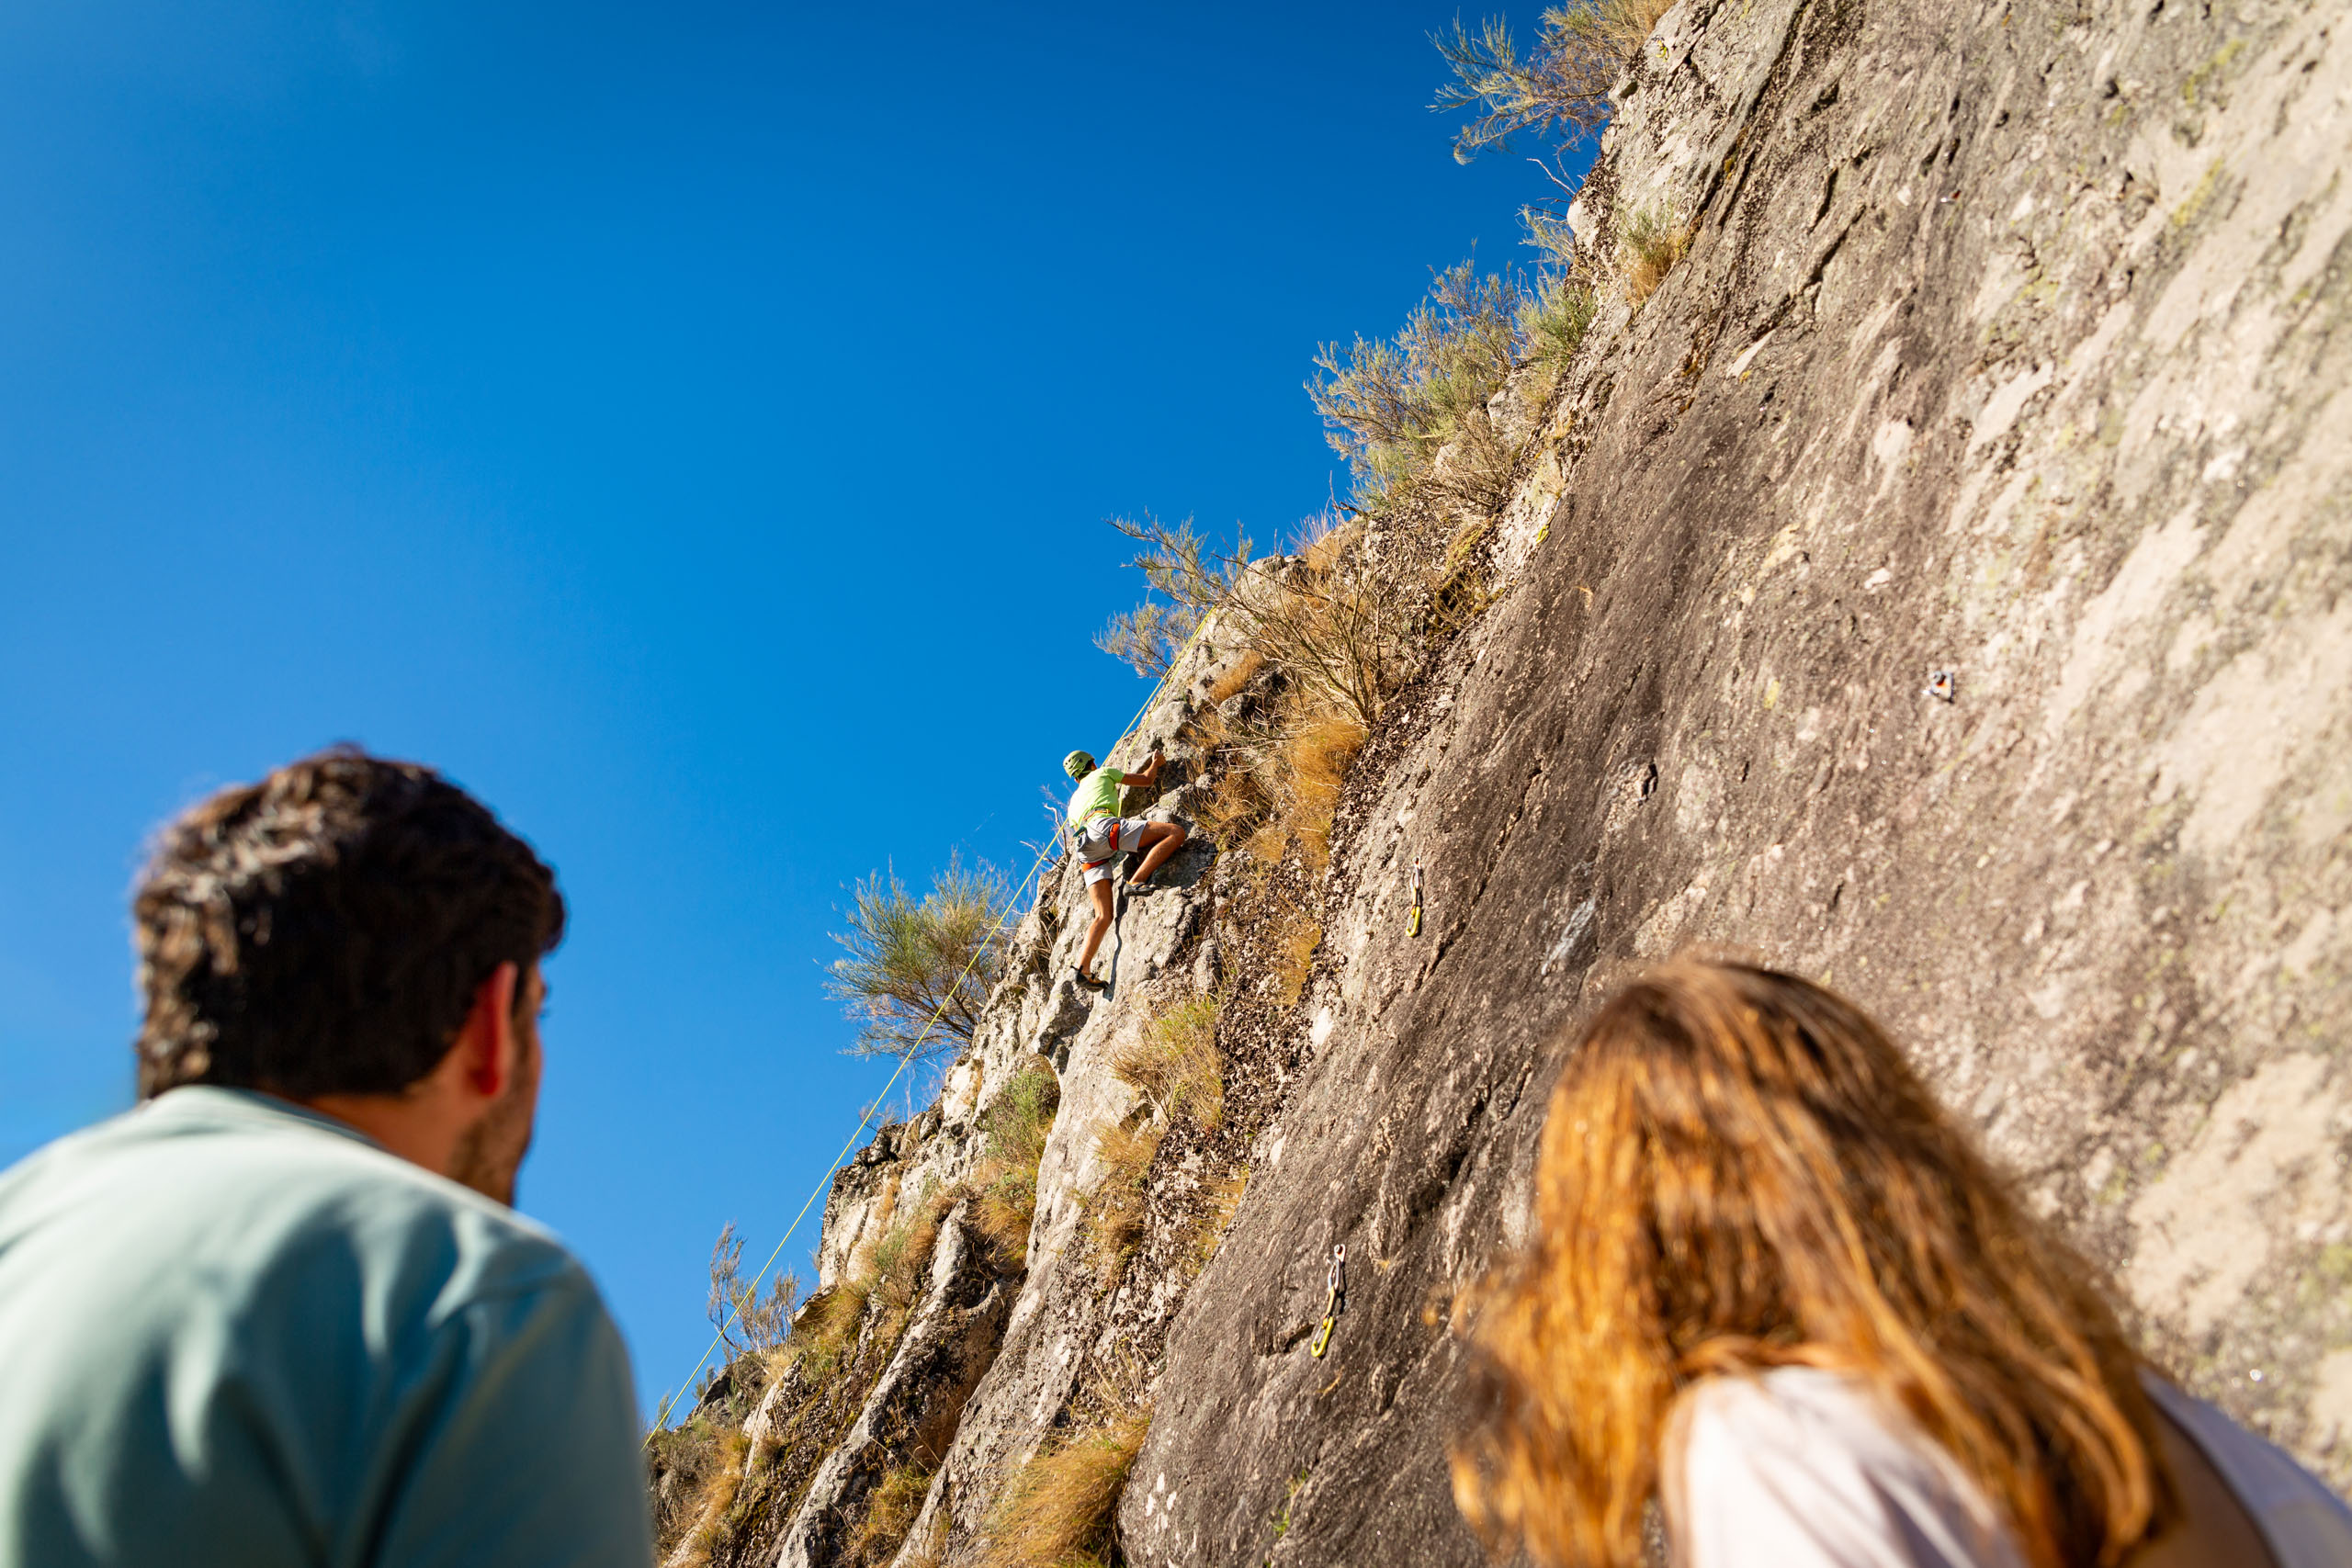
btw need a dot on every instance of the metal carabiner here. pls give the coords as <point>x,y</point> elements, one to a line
<point>1333,1305</point>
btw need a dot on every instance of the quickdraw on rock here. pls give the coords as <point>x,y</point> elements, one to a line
<point>1413,921</point>
<point>1336,1305</point>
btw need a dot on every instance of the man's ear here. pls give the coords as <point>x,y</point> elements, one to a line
<point>487,1050</point>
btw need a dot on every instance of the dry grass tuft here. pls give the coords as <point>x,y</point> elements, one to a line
<point>713,1501</point>
<point>888,1516</point>
<point>1649,242</point>
<point>1267,845</point>
<point>1059,1511</point>
<point>1224,1199</point>
<point>1296,961</point>
<point>1004,1184</point>
<point>1175,1064</point>
<point>826,1330</point>
<point>1236,800</point>
<point>1284,791</point>
<point>1244,669</point>
<point>1315,770</point>
<point>685,1460</point>
<point>1114,1207</point>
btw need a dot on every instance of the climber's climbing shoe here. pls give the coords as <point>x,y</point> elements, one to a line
<point>1087,982</point>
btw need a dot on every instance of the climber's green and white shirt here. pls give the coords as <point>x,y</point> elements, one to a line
<point>1097,795</point>
<point>239,1333</point>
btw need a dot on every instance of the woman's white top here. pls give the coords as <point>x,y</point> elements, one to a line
<point>1802,1467</point>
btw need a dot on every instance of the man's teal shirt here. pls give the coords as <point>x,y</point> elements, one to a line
<point>235,1331</point>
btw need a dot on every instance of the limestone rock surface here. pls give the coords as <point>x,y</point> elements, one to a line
<point>1940,585</point>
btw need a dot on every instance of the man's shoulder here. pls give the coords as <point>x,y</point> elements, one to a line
<point>226,1316</point>
<point>223,1172</point>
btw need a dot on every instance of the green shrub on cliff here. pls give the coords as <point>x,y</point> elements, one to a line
<point>1556,316</point>
<point>1004,1183</point>
<point>1390,404</point>
<point>1559,88</point>
<point>1185,577</point>
<point>913,960</point>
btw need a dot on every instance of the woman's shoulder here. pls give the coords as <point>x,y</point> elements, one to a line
<point>2303,1523</point>
<point>1787,1408</point>
<point>1800,1465</point>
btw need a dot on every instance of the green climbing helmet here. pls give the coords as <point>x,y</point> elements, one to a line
<point>1078,764</point>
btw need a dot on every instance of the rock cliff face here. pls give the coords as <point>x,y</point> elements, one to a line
<point>1942,585</point>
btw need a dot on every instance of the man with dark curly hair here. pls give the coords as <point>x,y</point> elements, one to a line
<point>282,1313</point>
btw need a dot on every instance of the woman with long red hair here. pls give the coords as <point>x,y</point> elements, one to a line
<point>1775,1288</point>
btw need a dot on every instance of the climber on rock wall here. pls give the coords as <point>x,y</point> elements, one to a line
<point>1099,836</point>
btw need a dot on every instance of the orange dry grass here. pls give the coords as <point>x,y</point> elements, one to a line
<point>1243,671</point>
<point>1004,1184</point>
<point>1297,961</point>
<point>1316,764</point>
<point>827,1329</point>
<point>1651,245</point>
<point>1115,1208</point>
<point>717,1495</point>
<point>1175,1064</point>
<point>1059,1511</point>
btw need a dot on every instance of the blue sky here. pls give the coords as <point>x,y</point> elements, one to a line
<point>690,426</point>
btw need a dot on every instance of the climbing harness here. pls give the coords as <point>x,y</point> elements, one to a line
<point>1336,1305</point>
<point>1413,921</point>
<point>1085,836</point>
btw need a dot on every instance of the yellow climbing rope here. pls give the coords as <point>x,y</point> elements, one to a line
<point>1052,845</point>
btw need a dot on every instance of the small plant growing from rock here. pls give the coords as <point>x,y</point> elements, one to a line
<point>748,1323</point>
<point>1004,1183</point>
<point>902,1256</point>
<point>1391,405</point>
<point>1114,1206</point>
<point>889,1514</point>
<point>1649,242</point>
<point>1557,315</point>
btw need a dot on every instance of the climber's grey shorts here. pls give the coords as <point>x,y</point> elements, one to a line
<point>1102,841</point>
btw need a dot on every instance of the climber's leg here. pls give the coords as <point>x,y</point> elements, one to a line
<point>1098,888</point>
<point>1161,840</point>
